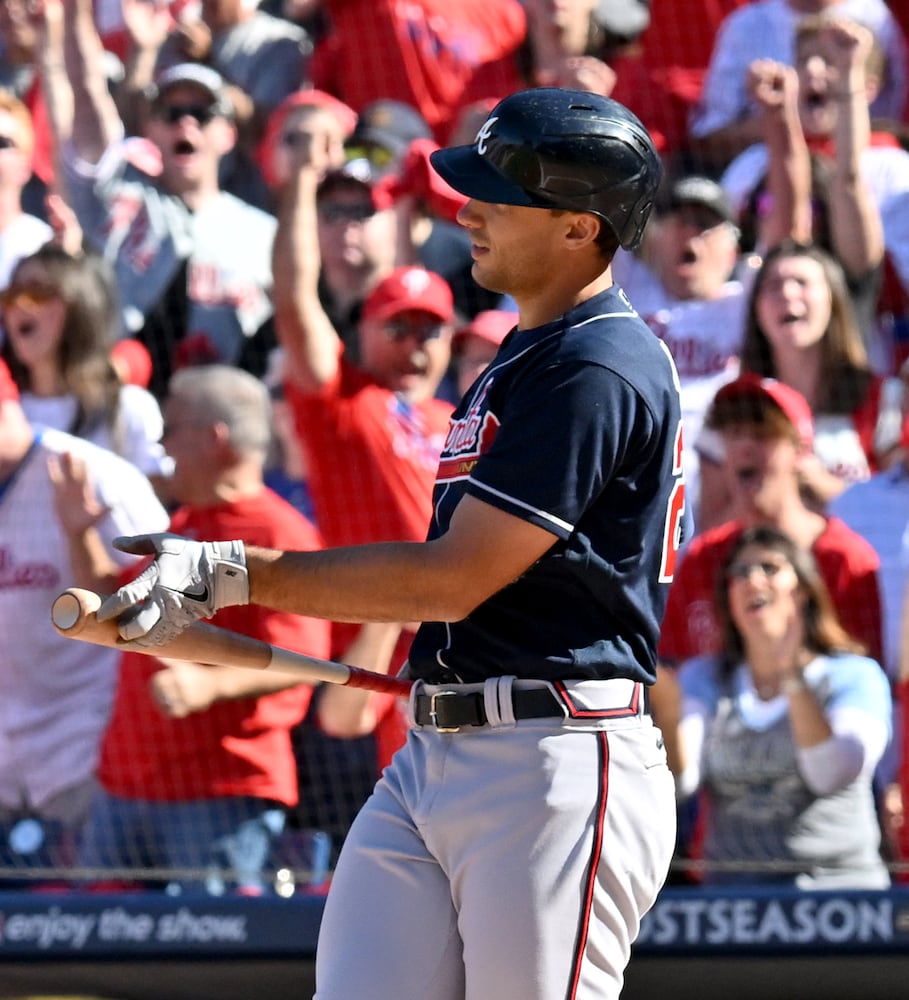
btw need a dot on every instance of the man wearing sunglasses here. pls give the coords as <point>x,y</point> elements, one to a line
<point>191,261</point>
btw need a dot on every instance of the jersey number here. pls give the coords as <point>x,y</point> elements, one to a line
<point>672,528</point>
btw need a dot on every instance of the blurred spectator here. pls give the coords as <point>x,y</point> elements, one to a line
<point>371,432</point>
<point>725,121</point>
<point>261,58</point>
<point>766,428</point>
<point>878,510</point>
<point>565,44</point>
<point>60,318</point>
<point>659,72</point>
<point>20,233</point>
<point>476,343</point>
<point>783,729</point>
<point>196,766</point>
<point>691,288</point>
<point>435,55</point>
<point>355,233</point>
<point>63,501</point>
<point>383,407</point>
<point>23,59</point>
<point>851,183</point>
<point>383,135</point>
<point>305,116</point>
<point>801,330</point>
<point>191,262</point>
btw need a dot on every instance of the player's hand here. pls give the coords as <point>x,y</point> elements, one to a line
<point>187,581</point>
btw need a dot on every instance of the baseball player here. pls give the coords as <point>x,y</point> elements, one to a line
<point>514,842</point>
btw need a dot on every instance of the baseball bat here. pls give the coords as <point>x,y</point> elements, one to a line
<point>74,615</point>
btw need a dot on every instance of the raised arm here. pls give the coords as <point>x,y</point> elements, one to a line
<point>774,87</point>
<point>855,222</point>
<point>148,23</point>
<point>96,121</point>
<point>304,330</point>
<point>58,94</point>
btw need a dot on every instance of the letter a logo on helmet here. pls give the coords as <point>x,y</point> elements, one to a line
<point>555,148</point>
<point>484,134</point>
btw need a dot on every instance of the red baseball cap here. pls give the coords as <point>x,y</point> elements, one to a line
<point>8,388</point>
<point>492,325</point>
<point>793,404</point>
<point>409,289</point>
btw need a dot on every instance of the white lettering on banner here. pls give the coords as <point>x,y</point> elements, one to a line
<point>184,925</point>
<point>119,924</point>
<point>72,931</point>
<point>757,922</point>
<point>50,929</point>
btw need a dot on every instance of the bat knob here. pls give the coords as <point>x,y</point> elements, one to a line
<point>66,611</point>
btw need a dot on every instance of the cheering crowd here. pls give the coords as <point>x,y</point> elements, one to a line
<point>236,302</point>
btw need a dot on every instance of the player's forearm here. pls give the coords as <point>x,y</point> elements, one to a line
<point>384,582</point>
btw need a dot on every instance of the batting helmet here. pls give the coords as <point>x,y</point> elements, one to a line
<point>554,148</point>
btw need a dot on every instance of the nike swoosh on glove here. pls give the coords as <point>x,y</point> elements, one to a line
<point>187,581</point>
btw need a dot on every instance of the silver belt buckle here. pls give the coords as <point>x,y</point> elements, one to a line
<point>434,715</point>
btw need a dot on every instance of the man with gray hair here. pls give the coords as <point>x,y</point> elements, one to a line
<point>197,769</point>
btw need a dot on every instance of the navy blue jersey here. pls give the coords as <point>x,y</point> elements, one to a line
<point>576,428</point>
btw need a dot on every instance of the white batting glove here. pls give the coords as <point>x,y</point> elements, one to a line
<point>188,580</point>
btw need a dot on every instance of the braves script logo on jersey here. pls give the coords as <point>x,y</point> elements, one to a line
<point>468,438</point>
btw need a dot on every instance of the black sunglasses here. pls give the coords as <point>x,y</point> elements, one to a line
<point>398,330</point>
<point>336,212</point>
<point>172,113</point>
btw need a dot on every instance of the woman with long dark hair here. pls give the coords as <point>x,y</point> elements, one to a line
<point>782,731</point>
<point>59,316</point>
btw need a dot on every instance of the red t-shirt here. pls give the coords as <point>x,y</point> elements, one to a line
<point>436,55</point>
<point>846,561</point>
<point>235,747</point>
<point>371,458</point>
<point>371,466</point>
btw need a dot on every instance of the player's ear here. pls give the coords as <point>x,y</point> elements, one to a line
<point>583,228</point>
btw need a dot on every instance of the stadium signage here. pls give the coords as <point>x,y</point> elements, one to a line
<point>708,922</point>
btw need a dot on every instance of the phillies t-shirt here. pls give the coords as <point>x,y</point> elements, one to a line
<point>237,747</point>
